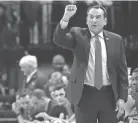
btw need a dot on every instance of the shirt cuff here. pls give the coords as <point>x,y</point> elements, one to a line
<point>63,24</point>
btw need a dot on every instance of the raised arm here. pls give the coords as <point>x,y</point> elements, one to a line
<point>62,35</point>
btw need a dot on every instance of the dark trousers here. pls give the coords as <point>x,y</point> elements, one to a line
<point>96,104</point>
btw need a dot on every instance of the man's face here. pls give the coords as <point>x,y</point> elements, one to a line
<point>25,69</point>
<point>58,66</point>
<point>56,75</point>
<point>60,96</point>
<point>25,101</point>
<point>96,20</point>
<point>38,104</point>
<point>36,101</point>
<point>135,80</point>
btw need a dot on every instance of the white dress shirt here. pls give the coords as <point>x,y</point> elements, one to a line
<point>89,78</point>
<point>30,76</point>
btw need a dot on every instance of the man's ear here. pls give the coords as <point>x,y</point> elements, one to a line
<point>87,20</point>
<point>52,95</point>
<point>105,21</point>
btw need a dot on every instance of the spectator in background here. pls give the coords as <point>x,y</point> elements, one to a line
<point>58,62</point>
<point>56,90</point>
<point>133,84</point>
<point>22,105</point>
<point>66,71</point>
<point>56,78</point>
<point>41,103</point>
<point>56,75</point>
<point>60,69</point>
<point>60,97</point>
<point>135,72</point>
<point>131,106</point>
<point>49,88</point>
<point>29,67</point>
<point>30,103</point>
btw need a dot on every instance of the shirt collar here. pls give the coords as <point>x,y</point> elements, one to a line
<point>30,76</point>
<point>100,34</point>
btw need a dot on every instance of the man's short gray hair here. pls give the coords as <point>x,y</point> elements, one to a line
<point>29,60</point>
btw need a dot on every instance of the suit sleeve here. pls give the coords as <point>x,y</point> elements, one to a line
<point>122,74</point>
<point>64,37</point>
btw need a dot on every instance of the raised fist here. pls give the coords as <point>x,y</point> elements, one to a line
<point>70,10</point>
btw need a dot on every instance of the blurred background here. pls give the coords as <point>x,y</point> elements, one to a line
<point>26,27</point>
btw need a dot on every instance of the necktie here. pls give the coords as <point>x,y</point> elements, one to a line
<point>98,64</point>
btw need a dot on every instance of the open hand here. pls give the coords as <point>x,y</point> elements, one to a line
<point>120,108</point>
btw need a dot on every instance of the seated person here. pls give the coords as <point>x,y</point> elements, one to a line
<point>41,103</point>
<point>22,105</point>
<point>56,90</point>
<point>60,97</point>
<point>29,103</point>
<point>131,106</point>
<point>49,87</point>
<point>55,76</point>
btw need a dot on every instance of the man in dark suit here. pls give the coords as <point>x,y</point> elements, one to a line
<point>33,78</point>
<point>99,79</point>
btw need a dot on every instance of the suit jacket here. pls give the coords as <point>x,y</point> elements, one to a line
<point>78,41</point>
<point>36,81</point>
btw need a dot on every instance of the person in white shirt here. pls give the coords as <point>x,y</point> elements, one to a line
<point>29,66</point>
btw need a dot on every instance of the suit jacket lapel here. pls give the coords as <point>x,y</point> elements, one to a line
<point>108,44</point>
<point>34,76</point>
<point>87,33</point>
